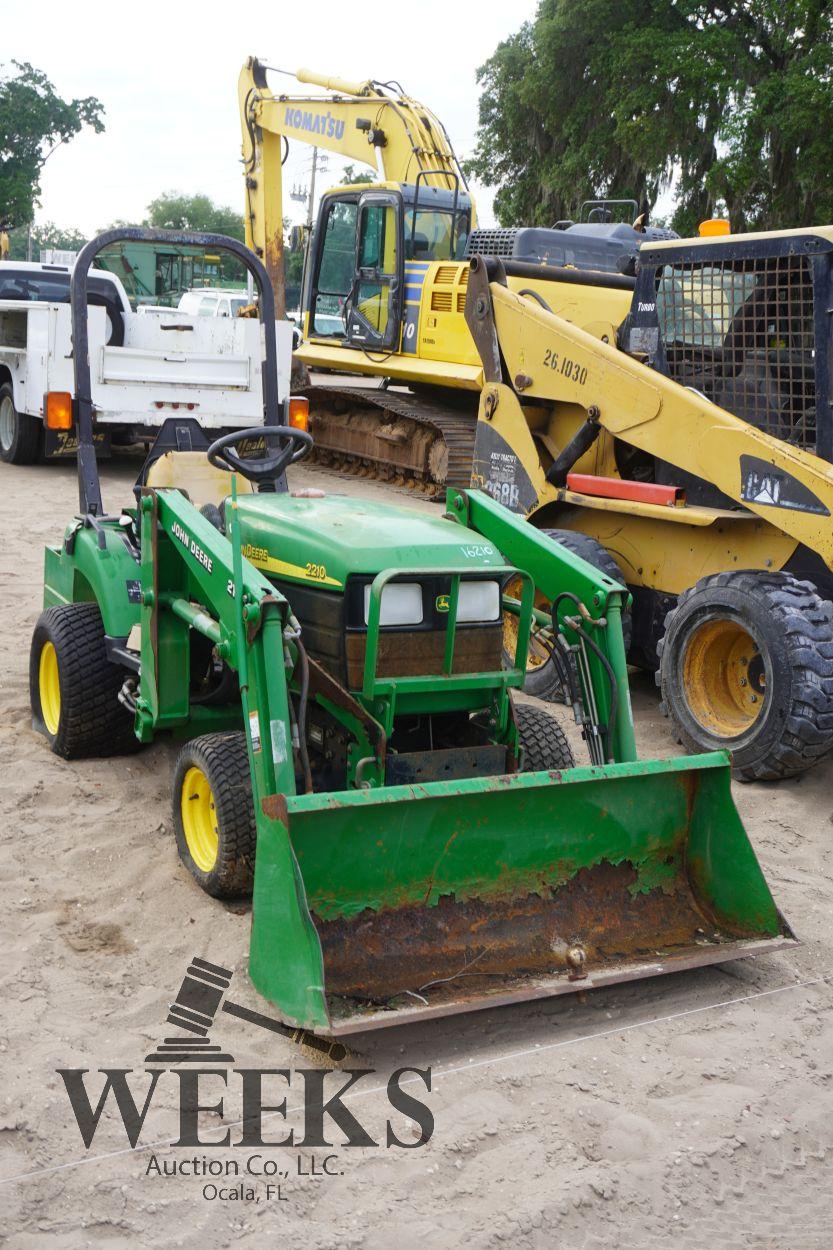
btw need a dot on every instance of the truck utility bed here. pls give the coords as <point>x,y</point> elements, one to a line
<point>163,362</point>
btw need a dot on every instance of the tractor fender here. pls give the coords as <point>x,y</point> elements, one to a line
<point>88,573</point>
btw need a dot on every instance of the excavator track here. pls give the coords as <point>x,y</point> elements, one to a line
<point>394,436</point>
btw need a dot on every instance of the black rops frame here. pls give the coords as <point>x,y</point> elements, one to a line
<point>89,485</point>
<point>816,248</point>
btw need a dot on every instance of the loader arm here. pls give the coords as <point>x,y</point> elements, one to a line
<point>529,352</point>
<point>590,612</point>
<point>365,121</point>
<point>187,564</point>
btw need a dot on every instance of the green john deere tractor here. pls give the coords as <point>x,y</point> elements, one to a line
<point>417,842</point>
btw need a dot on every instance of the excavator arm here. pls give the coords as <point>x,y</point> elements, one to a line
<point>369,121</point>
<point>532,356</point>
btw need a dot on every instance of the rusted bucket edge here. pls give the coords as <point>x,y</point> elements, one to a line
<point>550,987</point>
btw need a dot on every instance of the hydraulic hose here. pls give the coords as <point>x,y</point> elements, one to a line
<point>600,656</point>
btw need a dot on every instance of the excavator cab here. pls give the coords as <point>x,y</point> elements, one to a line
<point>368,258</point>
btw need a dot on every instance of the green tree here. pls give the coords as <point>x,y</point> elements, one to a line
<point>34,121</point>
<point>44,236</point>
<point>175,211</point>
<point>353,177</point>
<point>729,101</point>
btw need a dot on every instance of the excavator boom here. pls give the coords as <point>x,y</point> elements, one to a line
<point>364,121</point>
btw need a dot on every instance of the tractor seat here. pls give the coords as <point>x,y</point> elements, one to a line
<point>190,472</point>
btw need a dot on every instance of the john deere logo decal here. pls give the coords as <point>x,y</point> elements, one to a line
<point>441,603</point>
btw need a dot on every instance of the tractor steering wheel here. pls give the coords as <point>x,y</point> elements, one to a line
<point>262,468</point>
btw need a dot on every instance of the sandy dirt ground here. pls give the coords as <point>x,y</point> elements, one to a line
<point>693,1110</point>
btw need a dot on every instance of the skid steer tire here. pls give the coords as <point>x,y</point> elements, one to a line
<point>214,816</point>
<point>547,680</point>
<point>214,516</point>
<point>544,742</point>
<point>746,664</point>
<point>73,687</point>
<point>20,434</point>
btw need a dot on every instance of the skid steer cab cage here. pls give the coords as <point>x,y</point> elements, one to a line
<point>89,486</point>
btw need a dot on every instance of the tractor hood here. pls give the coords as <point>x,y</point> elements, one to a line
<point>323,540</point>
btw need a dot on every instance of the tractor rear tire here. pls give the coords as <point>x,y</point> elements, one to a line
<point>547,680</point>
<point>214,816</point>
<point>20,434</point>
<point>746,665</point>
<point>544,742</point>
<point>74,688</point>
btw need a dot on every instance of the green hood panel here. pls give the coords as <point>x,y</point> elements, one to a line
<point>325,540</point>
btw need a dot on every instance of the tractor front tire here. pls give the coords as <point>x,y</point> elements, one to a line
<point>746,665</point>
<point>20,433</point>
<point>214,815</point>
<point>544,742</point>
<point>74,688</point>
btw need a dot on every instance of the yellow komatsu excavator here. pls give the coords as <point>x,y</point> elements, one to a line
<point>662,406</point>
<point>386,271</point>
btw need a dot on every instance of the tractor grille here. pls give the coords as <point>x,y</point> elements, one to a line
<point>741,331</point>
<point>404,653</point>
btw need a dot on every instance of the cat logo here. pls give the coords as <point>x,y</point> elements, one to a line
<point>441,603</point>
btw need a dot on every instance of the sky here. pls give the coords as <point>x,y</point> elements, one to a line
<point>167,76</point>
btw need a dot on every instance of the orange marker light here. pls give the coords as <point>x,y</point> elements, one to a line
<point>57,408</point>
<point>299,413</point>
<point>714,226</point>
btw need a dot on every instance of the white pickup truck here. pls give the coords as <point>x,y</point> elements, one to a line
<point>144,368</point>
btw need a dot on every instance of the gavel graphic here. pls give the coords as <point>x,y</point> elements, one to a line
<point>200,997</point>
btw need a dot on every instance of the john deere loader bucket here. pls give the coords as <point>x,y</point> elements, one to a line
<point>374,907</point>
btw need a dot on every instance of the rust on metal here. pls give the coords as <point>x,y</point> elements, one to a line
<point>399,438</point>
<point>481,322</point>
<point>322,682</point>
<point>350,1016</point>
<point>462,949</point>
<point>274,806</point>
<point>255,622</point>
<point>409,653</point>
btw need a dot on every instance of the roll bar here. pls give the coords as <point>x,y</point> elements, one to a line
<point>89,485</point>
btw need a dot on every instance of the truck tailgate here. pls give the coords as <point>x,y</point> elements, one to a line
<point>191,369</point>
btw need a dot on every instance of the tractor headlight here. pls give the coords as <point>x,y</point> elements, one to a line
<point>479,601</point>
<point>401,604</point>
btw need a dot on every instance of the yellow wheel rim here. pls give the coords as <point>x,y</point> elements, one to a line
<point>537,654</point>
<point>199,819</point>
<point>724,677</point>
<point>49,688</point>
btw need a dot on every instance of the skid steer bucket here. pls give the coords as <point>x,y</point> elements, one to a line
<point>374,907</point>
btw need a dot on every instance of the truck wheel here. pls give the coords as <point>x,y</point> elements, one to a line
<point>74,688</point>
<point>213,812</point>
<point>19,433</point>
<point>544,742</point>
<point>545,676</point>
<point>746,665</point>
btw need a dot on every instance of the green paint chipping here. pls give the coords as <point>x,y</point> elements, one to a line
<point>656,874</point>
